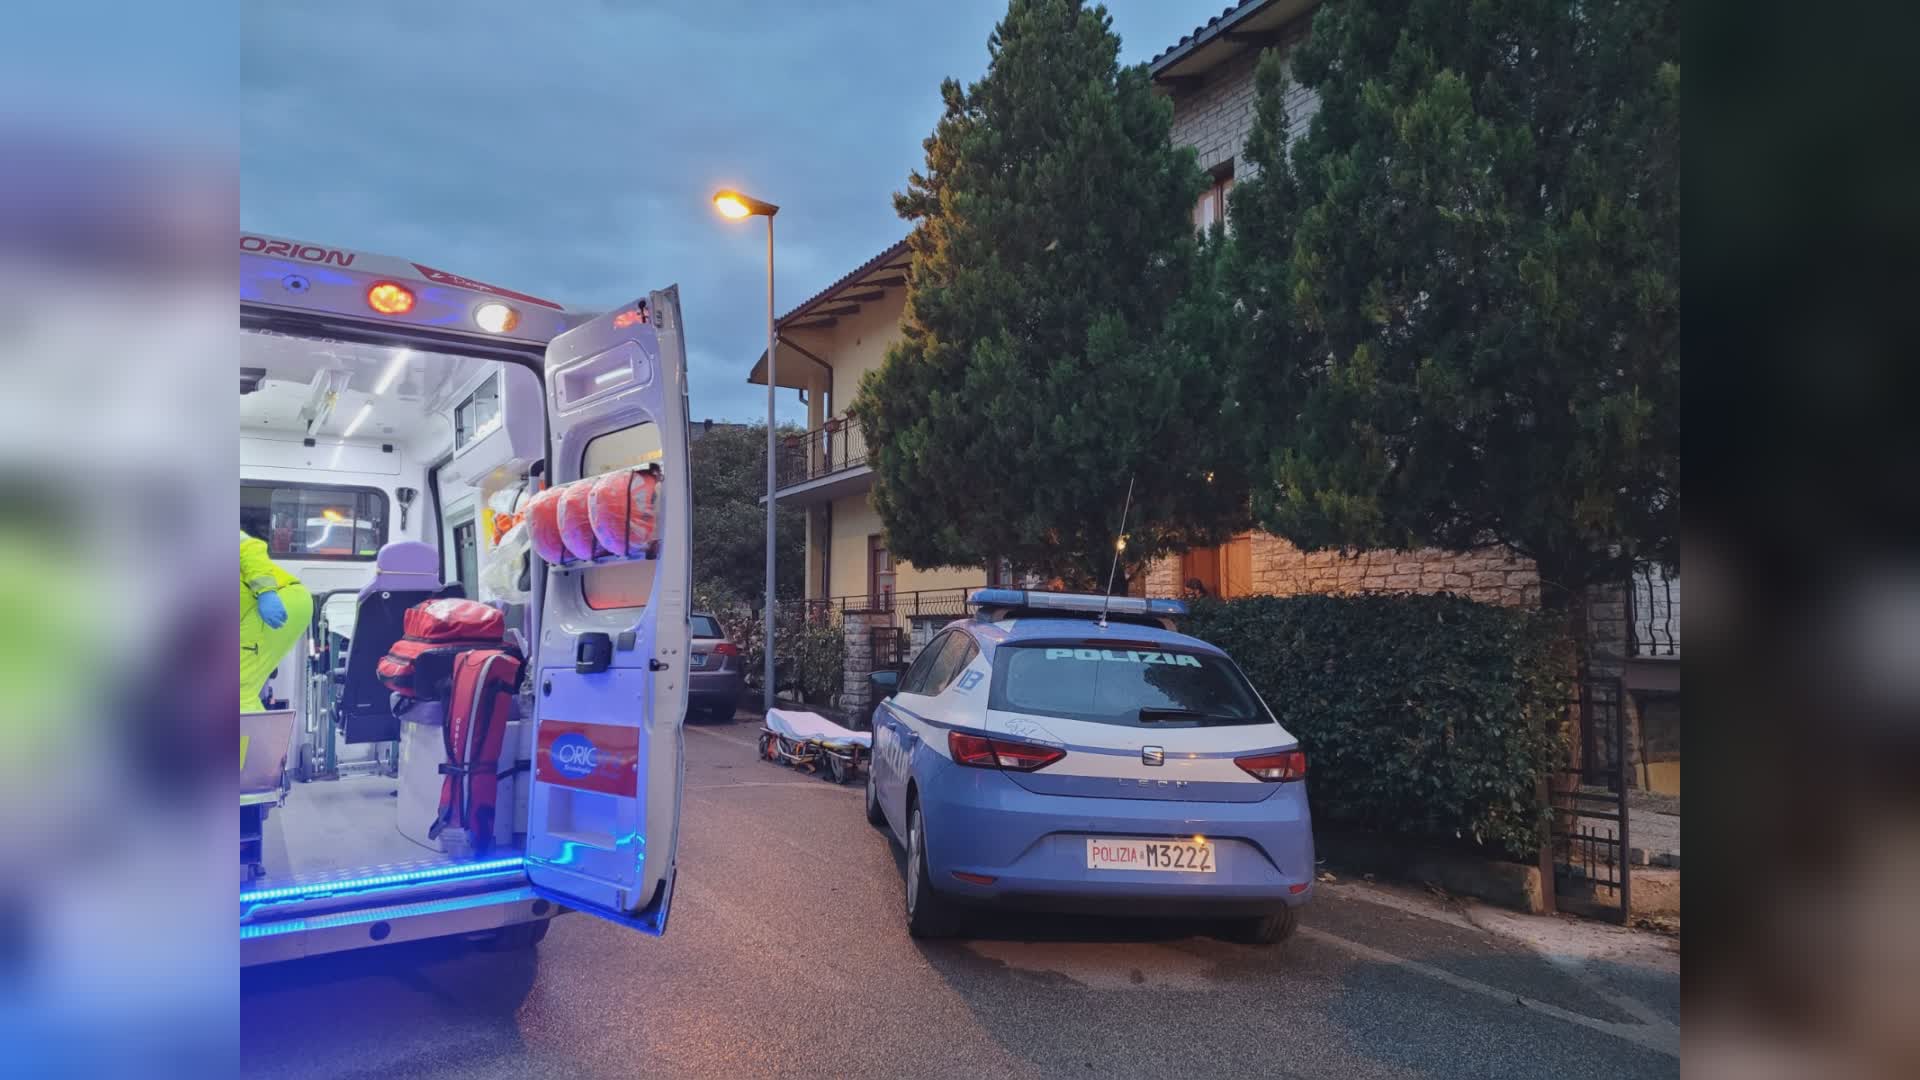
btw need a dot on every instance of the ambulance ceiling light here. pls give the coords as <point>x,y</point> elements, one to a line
<point>322,395</point>
<point>358,419</point>
<point>495,317</point>
<point>389,298</point>
<point>394,367</point>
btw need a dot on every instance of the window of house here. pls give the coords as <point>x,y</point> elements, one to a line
<point>315,521</point>
<point>1212,206</point>
<point>879,573</point>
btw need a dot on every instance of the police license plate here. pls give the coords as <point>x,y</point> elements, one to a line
<point>1177,856</point>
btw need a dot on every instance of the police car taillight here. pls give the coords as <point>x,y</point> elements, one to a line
<point>984,753</point>
<point>1274,768</point>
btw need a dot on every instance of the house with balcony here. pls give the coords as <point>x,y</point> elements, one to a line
<point>1633,627</point>
<point>833,338</point>
<point>826,344</point>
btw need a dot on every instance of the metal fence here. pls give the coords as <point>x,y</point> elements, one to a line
<point>1654,621</point>
<point>1589,832</point>
<point>951,603</point>
<point>833,447</point>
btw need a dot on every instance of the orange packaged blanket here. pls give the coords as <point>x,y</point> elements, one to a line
<point>624,511</point>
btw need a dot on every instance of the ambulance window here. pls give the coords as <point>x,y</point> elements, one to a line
<point>466,556</point>
<point>623,584</point>
<point>479,413</point>
<point>315,521</point>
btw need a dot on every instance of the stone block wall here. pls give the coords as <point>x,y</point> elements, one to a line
<point>858,627</point>
<point>1491,575</point>
<point>1607,634</point>
<point>853,689</point>
<point>1215,117</point>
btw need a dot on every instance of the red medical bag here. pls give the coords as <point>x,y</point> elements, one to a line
<point>484,681</point>
<point>436,632</point>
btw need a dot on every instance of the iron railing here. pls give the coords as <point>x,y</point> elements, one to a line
<point>1653,620</point>
<point>836,446</point>
<point>907,605</point>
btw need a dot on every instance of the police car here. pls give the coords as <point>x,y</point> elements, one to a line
<point>1071,752</point>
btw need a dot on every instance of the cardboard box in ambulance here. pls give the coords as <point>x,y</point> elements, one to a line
<point>394,421</point>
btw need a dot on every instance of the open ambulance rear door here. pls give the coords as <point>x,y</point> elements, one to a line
<point>610,665</point>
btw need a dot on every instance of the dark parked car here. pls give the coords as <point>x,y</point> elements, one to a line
<point>714,685</point>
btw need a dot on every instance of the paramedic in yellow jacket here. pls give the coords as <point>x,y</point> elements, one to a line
<point>274,609</point>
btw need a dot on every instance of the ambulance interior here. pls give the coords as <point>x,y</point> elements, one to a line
<point>382,477</point>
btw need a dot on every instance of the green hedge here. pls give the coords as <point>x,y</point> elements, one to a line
<point>1429,717</point>
<point>812,655</point>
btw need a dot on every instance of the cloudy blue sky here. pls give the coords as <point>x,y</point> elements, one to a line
<point>568,149</point>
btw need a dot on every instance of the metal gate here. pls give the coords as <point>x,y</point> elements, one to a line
<point>1589,836</point>
<point>889,647</point>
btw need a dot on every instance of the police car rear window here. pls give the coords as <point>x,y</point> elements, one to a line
<point>1129,687</point>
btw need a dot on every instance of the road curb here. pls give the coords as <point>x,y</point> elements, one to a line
<point>1505,884</point>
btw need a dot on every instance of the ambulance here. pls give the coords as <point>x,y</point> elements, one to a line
<point>395,421</point>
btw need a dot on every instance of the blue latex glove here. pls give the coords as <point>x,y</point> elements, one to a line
<point>273,611</point>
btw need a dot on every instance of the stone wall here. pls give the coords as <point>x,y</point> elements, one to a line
<point>853,689</point>
<point>1607,630</point>
<point>1491,575</point>
<point>1215,117</point>
<point>1162,578</point>
<point>858,627</point>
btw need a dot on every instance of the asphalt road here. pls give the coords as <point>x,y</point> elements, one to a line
<point>787,956</point>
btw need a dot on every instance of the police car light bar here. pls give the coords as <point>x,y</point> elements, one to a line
<point>1060,601</point>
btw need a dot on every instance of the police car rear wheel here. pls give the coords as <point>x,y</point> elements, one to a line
<point>1269,929</point>
<point>875,815</point>
<point>929,914</point>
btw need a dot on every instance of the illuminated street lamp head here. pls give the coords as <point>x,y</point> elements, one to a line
<point>734,205</point>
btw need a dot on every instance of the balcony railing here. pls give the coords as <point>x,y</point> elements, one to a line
<point>836,446</point>
<point>1655,613</point>
<point>948,603</point>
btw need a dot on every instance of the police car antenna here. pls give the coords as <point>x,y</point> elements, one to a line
<point>1119,546</point>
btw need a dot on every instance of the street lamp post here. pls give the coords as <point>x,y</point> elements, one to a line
<point>734,205</point>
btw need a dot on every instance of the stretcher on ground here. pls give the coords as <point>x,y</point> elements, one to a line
<point>811,742</point>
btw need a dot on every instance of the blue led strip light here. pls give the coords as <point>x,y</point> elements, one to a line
<point>410,877</point>
<point>404,911</point>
